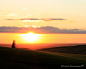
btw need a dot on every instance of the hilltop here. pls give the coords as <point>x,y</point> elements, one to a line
<point>28,59</point>
<point>77,49</point>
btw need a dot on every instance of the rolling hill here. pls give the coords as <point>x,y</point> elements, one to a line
<point>27,59</point>
<point>78,49</point>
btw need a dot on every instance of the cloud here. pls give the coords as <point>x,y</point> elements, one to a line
<point>41,30</point>
<point>45,19</point>
<point>12,14</point>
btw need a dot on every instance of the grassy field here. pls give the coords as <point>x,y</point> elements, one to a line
<point>27,59</point>
<point>78,49</point>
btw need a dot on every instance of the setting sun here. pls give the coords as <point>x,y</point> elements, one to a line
<point>30,37</point>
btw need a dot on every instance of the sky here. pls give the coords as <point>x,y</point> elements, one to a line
<point>42,17</point>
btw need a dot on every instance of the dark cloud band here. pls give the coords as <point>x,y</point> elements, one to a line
<point>45,19</point>
<point>41,30</point>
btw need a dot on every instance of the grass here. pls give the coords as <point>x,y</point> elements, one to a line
<point>79,56</point>
<point>79,49</point>
<point>27,59</point>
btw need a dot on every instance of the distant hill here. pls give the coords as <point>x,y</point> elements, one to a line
<point>35,46</point>
<point>78,49</point>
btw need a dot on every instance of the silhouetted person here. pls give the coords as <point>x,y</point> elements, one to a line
<point>13,44</point>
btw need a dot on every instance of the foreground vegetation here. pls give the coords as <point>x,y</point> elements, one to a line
<point>26,59</point>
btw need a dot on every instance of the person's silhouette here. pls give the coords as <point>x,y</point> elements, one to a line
<point>13,44</point>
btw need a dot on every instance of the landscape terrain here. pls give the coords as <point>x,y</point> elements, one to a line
<point>48,58</point>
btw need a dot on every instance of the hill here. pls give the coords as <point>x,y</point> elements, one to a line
<point>27,59</point>
<point>78,49</point>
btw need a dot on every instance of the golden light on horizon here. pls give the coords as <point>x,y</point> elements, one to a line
<point>30,37</point>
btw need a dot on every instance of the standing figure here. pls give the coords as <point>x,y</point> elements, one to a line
<point>13,44</point>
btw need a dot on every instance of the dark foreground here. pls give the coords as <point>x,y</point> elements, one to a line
<point>26,59</point>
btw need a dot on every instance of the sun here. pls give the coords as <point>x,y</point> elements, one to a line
<point>30,37</point>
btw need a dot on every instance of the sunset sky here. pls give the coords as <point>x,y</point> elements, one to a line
<point>53,20</point>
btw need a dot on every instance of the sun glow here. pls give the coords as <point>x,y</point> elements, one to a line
<point>30,37</point>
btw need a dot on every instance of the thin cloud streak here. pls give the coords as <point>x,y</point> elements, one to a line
<point>45,19</point>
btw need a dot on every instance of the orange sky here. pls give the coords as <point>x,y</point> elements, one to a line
<point>73,11</point>
<point>43,38</point>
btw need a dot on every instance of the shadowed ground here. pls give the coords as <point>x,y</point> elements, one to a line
<point>19,58</point>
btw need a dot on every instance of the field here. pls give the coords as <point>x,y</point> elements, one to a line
<point>27,59</point>
<point>77,49</point>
